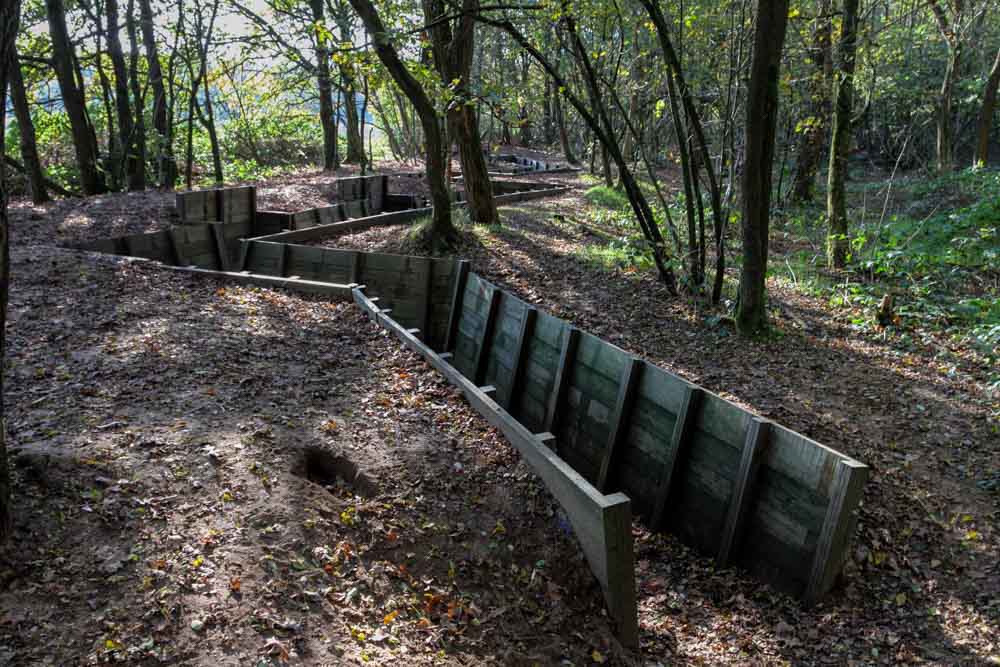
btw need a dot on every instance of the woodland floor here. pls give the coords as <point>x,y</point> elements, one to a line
<point>166,513</point>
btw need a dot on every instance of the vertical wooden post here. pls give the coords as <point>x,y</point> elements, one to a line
<point>218,234</point>
<point>485,336</point>
<point>619,558</point>
<point>356,258</point>
<point>282,260</point>
<point>425,304</point>
<point>520,353</point>
<point>619,417</point>
<point>831,549</point>
<point>682,430</point>
<point>566,357</point>
<point>754,446</point>
<point>457,301</point>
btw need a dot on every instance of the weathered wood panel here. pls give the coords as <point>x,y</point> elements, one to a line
<point>195,245</point>
<point>265,258</point>
<point>156,245</point>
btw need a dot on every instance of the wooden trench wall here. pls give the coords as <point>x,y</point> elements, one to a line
<point>748,491</point>
<point>611,434</point>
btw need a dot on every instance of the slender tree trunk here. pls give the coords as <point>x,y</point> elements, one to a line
<point>126,131</point>
<point>10,14</point>
<point>761,123</point>
<point>442,229</point>
<point>567,148</point>
<point>139,128</point>
<point>840,141</point>
<point>945,131</point>
<point>26,130</point>
<point>688,175</point>
<point>325,89</point>
<point>166,165</point>
<point>84,139</point>
<point>986,114</point>
<point>813,130</point>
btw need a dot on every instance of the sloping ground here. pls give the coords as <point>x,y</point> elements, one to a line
<point>922,587</point>
<point>924,583</point>
<point>211,475</point>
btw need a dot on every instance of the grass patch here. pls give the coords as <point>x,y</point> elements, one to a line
<point>605,197</point>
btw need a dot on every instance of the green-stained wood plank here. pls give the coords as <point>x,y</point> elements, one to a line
<point>521,351</point>
<point>753,450</point>
<point>839,524</point>
<point>457,302</point>
<point>566,355</point>
<point>486,335</point>
<point>619,418</point>
<point>686,416</point>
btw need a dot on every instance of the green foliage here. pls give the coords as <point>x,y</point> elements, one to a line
<point>610,198</point>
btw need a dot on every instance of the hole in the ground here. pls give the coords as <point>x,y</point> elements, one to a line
<point>331,470</point>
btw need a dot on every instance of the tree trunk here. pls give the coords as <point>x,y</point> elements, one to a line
<point>355,144</point>
<point>139,129</point>
<point>986,114</point>
<point>166,164</point>
<point>10,14</point>
<point>442,229</point>
<point>84,139</point>
<point>26,130</point>
<point>810,145</point>
<point>945,138</point>
<point>126,130</point>
<point>840,141</point>
<point>325,89</point>
<point>761,123</point>
<point>453,46</point>
<point>567,148</point>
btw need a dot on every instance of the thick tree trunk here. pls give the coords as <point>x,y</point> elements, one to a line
<point>26,130</point>
<point>810,144</point>
<point>840,141</point>
<point>453,46</point>
<point>126,129</point>
<point>986,114</point>
<point>325,89</point>
<point>84,139</point>
<point>10,14</point>
<point>761,123</point>
<point>442,229</point>
<point>166,164</point>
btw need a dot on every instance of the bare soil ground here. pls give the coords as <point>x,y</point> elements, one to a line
<point>211,475</point>
<point>167,515</point>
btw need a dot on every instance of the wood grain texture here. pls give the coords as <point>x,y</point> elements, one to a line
<point>753,451</point>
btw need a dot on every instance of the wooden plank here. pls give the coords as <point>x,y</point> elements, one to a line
<point>425,299</point>
<point>602,524</point>
<point>567,353</point>
<point>619,417</point>
<point>356,260</point>
<point>753,450</point>
<point>486,334</point>
<point>520,354</point>
<point>457,302</point>
<point>831,550</point>
<point>682,431</point>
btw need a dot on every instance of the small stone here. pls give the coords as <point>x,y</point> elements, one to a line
<point>197,625</point>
